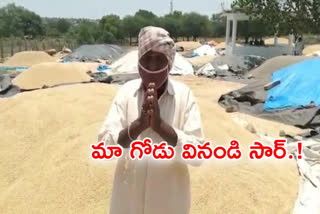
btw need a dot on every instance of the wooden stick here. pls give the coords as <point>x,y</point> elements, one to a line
<point>271,85</point>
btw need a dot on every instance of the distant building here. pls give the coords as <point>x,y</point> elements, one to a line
<point>247,49</point>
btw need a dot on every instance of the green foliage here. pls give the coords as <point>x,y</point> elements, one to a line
<point>218,27</point>
<point>129,27</point>
<point>86,33</point>
<point>283,16</point>
<point>110,28</point>
<point>173,23</point>
<point>57,27</point>
<point>63,26</point>
<point>18,21</point>
<point>195,25</point>
<point>302,16</point>
<point>268,17</point>
<point>144,18</point>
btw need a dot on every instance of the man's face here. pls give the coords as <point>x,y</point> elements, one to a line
<point>154,61</point>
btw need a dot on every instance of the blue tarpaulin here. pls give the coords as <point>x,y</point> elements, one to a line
<point>8,68</point>
<point>103,68</point>
<point>300,85</point>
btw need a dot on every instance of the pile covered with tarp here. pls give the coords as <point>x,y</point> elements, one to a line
<point>126,68</point>
<point>95,53</point>
<point>284,88</point>
<point>309,171</point>
<point>204,50</point>
<point>230,66</point>
<point>299,86</point>
<point>7,89</point>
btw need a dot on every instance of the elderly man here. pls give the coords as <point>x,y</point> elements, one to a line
<point>163,110</point>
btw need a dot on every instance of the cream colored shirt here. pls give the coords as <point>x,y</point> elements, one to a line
<point>148,186</point>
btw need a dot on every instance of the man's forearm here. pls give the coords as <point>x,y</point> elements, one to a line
<point>135,130</point>
<point>167,133</point>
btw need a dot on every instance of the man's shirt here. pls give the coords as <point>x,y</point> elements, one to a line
<point>148,186</point>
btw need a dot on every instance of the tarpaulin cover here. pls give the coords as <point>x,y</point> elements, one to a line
<point>204,50</point>
<point>251,98</point>
<point>93,53</point>
<point>5,82</point>
<point>231,68</point>
<point>299,86</point>
<point>6,87</point>
<point>8,68</point>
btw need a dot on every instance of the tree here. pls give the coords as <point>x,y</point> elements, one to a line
<point>218,28</point>
<point>283,16</point>
<point>315,13</point>
<point>172,23</point>
<point>144,18</point>
<point>87,32</point>
<point>267,12</point>
<point>63,26</point>
<point>129,27</point>
<point>106,37</point>
<point>195,25</point>
<point>18,21</point>
<point>111,27</point>
<point>51,28</point>
<point>302,16</point>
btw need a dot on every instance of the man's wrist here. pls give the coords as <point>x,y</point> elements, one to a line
<point>159,128</point>
<point>135,129</point>
<point>167,133</point>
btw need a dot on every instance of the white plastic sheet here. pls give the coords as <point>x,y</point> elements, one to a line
<point>205,50</point>
<point>309,169</point>
<point>206,70</point>
<point>128,64</point>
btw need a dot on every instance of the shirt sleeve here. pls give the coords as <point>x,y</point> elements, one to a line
<point>192,132</point>
<point>115,120</point>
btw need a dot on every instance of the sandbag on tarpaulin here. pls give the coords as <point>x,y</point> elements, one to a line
<point>92,53</point>
<point>251,98</point>
<point>299,86</point>
<point>238,64</point>
<point>230,67</point>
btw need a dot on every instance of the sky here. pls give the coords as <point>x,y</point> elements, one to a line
<point>95,9</point>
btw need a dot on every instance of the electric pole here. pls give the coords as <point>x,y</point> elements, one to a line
<point>171,6</point>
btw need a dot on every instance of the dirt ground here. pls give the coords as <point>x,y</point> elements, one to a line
<point>45,164</point>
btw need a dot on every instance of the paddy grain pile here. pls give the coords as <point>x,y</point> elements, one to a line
<point>45,164</point>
